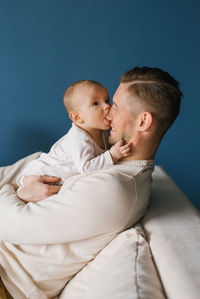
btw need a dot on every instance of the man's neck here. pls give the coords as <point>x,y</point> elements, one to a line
<point>138,157</point>
<point>144,150</point>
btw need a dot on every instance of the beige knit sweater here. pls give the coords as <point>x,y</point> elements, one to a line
<point>42,245</point>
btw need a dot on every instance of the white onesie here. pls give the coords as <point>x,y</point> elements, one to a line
<point>75,153</point>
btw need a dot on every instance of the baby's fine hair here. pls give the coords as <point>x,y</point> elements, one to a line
<point>70,91</point>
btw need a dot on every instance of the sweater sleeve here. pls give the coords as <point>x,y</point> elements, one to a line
<point>90,206</point>
<point>83,156</point>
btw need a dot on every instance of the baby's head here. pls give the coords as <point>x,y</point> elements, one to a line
<point>87,103</point>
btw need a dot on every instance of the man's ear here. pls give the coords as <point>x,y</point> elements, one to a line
<point>75,117</point>
<point>145,121</point>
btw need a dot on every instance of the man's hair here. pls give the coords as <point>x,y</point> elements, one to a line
<point>69,94</point>
<point>157,92</point>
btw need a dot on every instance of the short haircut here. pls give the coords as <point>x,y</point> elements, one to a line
<point>156,91</point>
<point>69,94</point>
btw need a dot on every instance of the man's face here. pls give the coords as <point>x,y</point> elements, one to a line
<point>121,117</point>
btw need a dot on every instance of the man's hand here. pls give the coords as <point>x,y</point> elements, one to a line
<point>119,150</point>
<point>37,188</point>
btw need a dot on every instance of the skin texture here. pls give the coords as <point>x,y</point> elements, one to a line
<point>122,120</point>
<point>90,108</point>
<point>135,126</point>
<point>137,129</point>
<point>37,188</point>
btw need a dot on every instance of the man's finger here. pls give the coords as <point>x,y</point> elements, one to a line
<point>51,190</point>
<point>54,189</point>
<point>49,179</point>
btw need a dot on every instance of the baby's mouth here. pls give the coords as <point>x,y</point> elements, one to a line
<point>107,120</point>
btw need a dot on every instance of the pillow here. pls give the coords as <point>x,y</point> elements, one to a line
<point>122,270</point>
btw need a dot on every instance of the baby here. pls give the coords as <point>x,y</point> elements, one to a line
<point>84,148</point>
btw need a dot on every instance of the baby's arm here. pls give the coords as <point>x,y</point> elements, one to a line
<point>119,151</point>
<point>83,155</point>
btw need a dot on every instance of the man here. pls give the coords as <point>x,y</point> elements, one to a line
<point>43,245</point>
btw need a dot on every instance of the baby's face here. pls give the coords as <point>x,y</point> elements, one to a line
<point>94,107</point>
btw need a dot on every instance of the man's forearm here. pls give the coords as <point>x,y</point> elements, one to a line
<point>87,207</point>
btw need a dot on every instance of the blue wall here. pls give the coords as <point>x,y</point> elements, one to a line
<point>46,45</point>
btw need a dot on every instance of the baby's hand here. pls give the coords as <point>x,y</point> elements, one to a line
<point>119,150</point>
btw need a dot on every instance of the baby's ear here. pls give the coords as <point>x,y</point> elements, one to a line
<point>75,117</point>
